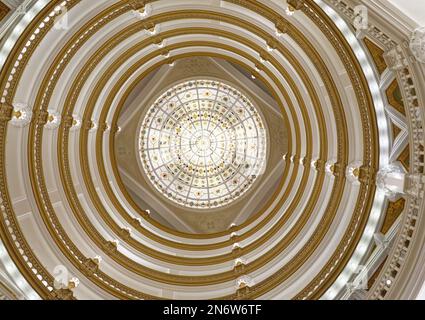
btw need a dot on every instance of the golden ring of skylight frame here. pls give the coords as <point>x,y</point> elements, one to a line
<point>203,144</point>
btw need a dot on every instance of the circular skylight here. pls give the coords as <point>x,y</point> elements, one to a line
<point>203,144</point>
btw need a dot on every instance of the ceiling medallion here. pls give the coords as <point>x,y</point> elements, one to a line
<point>203,144</point>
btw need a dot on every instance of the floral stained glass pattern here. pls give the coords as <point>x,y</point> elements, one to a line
<point>203,144</point>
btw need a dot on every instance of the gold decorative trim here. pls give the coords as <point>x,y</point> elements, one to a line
<point>14,241</point>
<point>4,10</point>
<point>377,55</point>
<point>89,117</point>
<point>251,292</point>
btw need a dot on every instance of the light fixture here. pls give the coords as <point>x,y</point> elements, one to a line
<point>53,120</point>
<point>97,260</point>
<point>73,283</point>
<point>187,132</point>
<point>76,123</point>
<point>290,10</point>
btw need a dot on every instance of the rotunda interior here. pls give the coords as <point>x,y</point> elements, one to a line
<point>216,149</point>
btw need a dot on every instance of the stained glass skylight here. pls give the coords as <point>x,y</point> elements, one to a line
<point>203,144</point>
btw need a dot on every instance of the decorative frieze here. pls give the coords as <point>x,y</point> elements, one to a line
<point>352,172</point>
<point>415,185</point>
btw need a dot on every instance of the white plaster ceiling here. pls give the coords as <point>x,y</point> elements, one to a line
<point>414,9</point>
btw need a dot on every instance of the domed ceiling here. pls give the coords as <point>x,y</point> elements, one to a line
<point>157,149</point>
<point>202,156</point>
<point>202,144</point>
